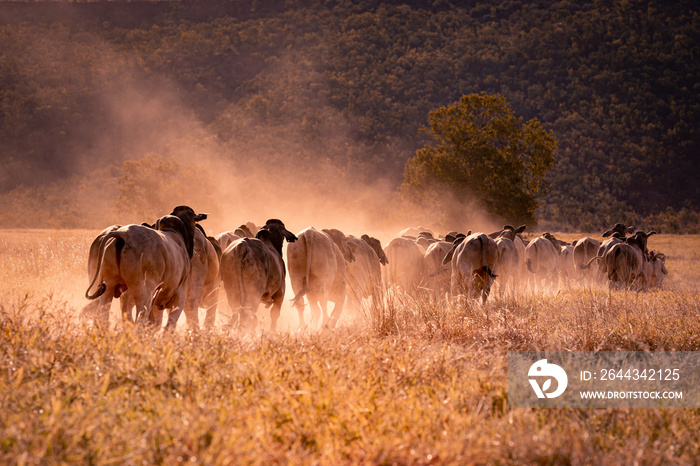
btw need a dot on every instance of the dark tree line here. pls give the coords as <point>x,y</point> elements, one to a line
<point>615,83</point>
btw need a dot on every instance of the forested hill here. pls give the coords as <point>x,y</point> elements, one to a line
<point>352,82</point>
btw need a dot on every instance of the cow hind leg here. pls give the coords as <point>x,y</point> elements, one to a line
<point>275,312</point>
<point>482,285</point>
<point>102,311</point>
<point>316,309</point>
<point>211,302</point>
<point>191,312</point>
<point>299,306</point>
<point>175,312</point>
<point>338,304</point>
<point>89,310</point>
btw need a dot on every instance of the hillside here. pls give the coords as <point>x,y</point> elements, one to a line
<point>348,85</point>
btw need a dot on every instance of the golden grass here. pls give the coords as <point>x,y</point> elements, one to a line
<point>417,383</point>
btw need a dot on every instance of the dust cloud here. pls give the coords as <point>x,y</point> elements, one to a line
<point>271,155</point>
<point>297,161</point>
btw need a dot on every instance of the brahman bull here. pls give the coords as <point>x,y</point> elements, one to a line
<point>567,267</point>
<point>474,262</point>
<point>152,264</point>
<point>615,235</point>
<point>542,261</point>
<point>655,270</point>
<point>244,231</point>
<point>203,288</point>
<point>437,274</point>
<point>405,271</point>
<point>585,249</point>
<point>317,270</point>
<point>624,262</point>
<point>508,264</point>
<point>252,271</point>
<point>515,235</point>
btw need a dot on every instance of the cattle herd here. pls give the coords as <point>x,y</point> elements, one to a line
<point>172,265</point>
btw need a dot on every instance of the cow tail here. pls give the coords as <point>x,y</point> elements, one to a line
<point>240,280</point>
<point>149,306</point>
<point>612,273</point>
<point>588,264</point>
<point>102,287</point>
<point>393,274</point>
<point>308,241</point>
<point>485,267</point>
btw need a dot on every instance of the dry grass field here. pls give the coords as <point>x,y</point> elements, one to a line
<point>415,382</point>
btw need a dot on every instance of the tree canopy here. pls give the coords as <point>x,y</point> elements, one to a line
<point>481,151</point>
<point>351,83</point>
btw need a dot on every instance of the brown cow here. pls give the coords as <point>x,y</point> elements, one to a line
<point>542,261</point>
<point>474,260</point>
<point>585,249</point>
<point>252,271</point>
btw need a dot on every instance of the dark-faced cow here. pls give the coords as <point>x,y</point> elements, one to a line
<point>253,272</point>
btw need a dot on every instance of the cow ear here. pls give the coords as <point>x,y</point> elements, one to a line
<point>468,233</point>
<point>520,229</point>
<point>289,236</point>
<point>200,217</point>
<point>652,232</point>
<point>574,242</point>
<point>365,238</point>
<point>448,257</point>
<point>382,257</point>
<point>607,233</point>
<point>264,235</point>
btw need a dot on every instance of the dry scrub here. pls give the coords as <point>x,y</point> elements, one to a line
<point>415,382</point>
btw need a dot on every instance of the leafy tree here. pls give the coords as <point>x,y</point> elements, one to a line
<point>481,151</point>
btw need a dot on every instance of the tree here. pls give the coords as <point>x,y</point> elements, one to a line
<point>482,152</point>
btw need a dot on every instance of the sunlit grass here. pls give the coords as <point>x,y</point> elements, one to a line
<point>415,382</point>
